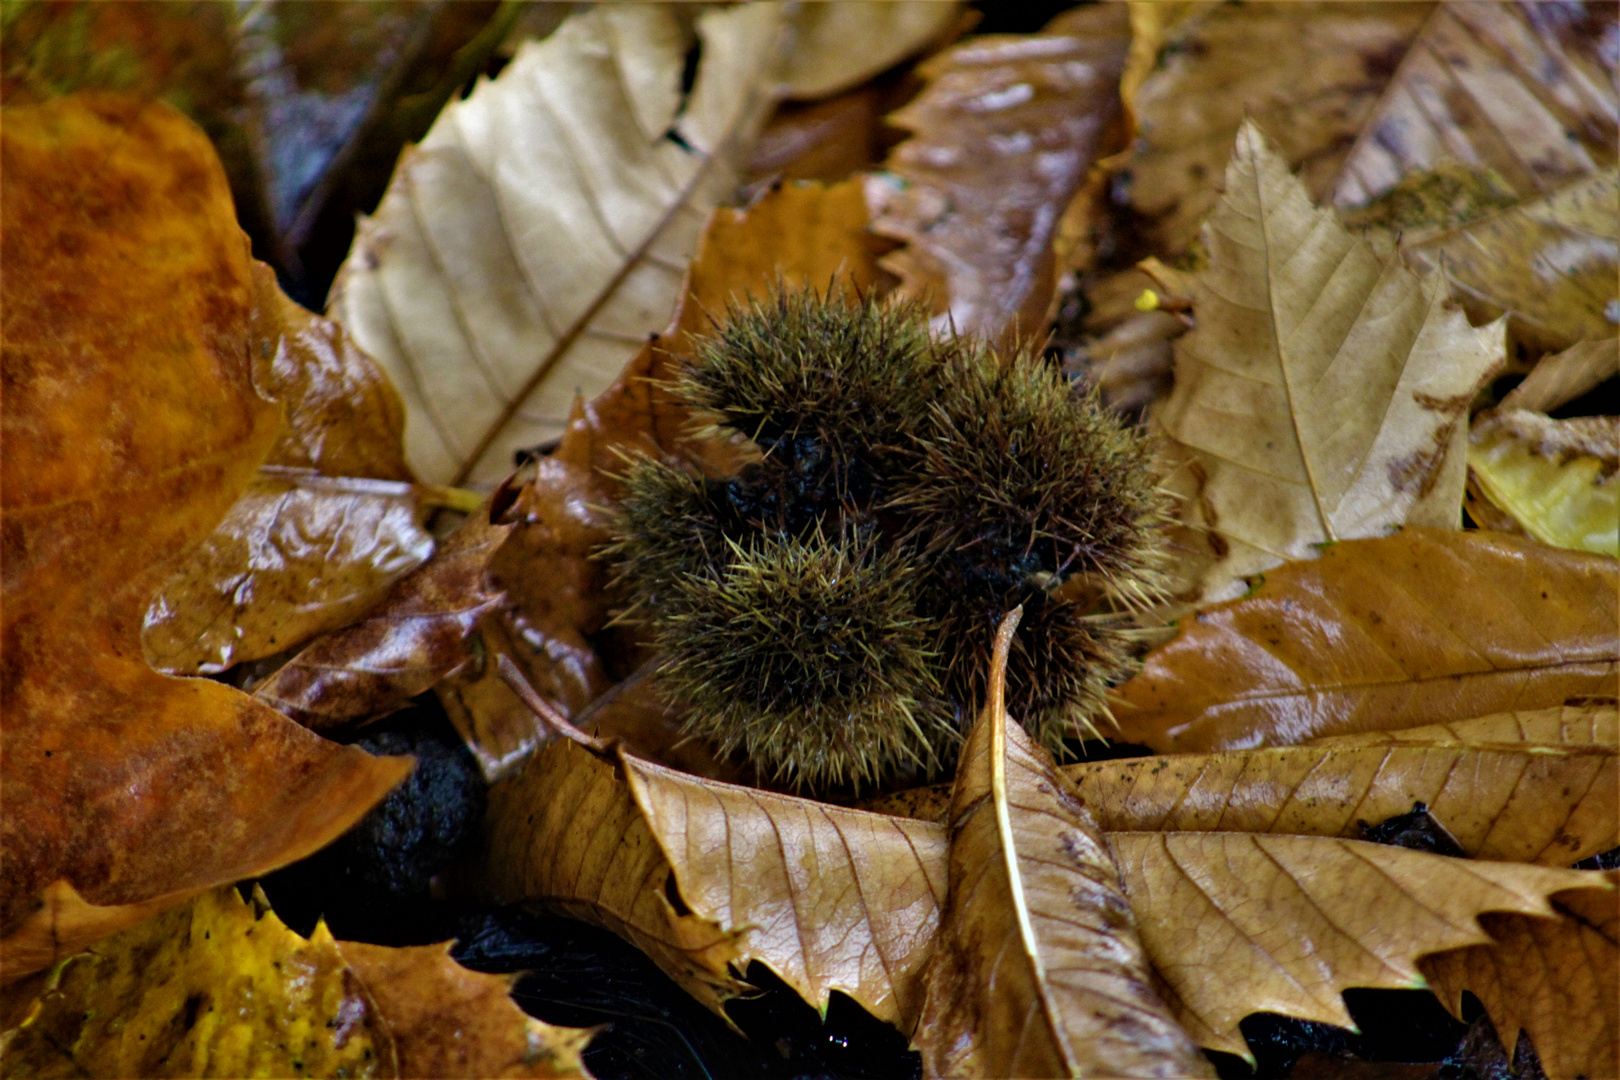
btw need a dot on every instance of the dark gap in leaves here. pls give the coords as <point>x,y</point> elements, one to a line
<point>1022,18</point>
<point>1602,400</point>
<point>1603,860</point>
<point>1396,1026</point>
<point>1417,830</point>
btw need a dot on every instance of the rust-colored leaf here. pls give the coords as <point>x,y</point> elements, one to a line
<point>1238,922</point>
<point>1038,969</point>
<point>131,424</point>
<point>1559,981</point>
<point>1551,802</point>
<point>978,222</point>
<point>1423,627</point>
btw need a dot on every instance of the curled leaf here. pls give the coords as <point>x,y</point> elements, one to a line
<point>1038,970</point>
<point>1563,377</point>
<point>1429,625</point>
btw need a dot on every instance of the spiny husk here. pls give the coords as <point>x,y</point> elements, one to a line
<point>807,655</point>
<point>667,528</point>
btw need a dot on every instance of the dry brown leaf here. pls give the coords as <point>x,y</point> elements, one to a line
<point>404,645</point>
<point>977,219</point>
<point>132,421</point>
<point>1428,626</point>
<point>1551,265</point>
<point>1558,480</point>
<point>446,1021</point>
<point>1557,981</point>
<point>1566,725</point>
<point>1310,74</point>
<point>566,833</point>
<point>1559,379</point>
<point>1549,804</point>
<point>1324,392</point>
<point>1237,923</point>
<point>1038,969</point>
<point>1524,90</point>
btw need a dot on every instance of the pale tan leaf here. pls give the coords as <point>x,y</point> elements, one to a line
<point>1427,626</point>
<point>1551,265</point>
<point>1557,479</point>
<point>1565,725</point>
<point>1565,376</point>
<point>1324,388</point>
<point>839,46</point>
<point>1524,90</point>
<point>1236,923</point>
<point>1552,803</point>
<point>528,246</point>
<point>977,220</point>
<point>1038,969</point>
<point>1557,981</point>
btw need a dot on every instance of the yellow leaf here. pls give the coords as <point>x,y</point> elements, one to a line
<point>1427,626</point>
<point>1557,981</point>
<point>1240,922</point>
<point>1323,392</point>
<point>1556,478</point>
<point>1038,969</point>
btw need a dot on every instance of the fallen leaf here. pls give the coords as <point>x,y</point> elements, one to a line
<point>539,232</point>
<point>1037,969</point>
<point>403,646</point>
<point>1324,390</point>
<point>1566,725</point>
<point>1555,981</point>
<point>1311,74</point>
<point>1555,478</point>
<point>1551,803</point>
<point>1428,625</point>
<point>447,1021</point>
<point>1561,378</point>
<point>1523,90</point>
<point>822,140</point>
<point>978,222</point>
<point>839,46</point>
<point>1237,923</point>
<point>1551,265</point>
<point>565,833</point>
<point>221,987</point>
<point>132,423</point>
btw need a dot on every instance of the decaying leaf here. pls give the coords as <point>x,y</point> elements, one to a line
<point>404,645</point>
<point>131,422</point>
<point>1323,393</point>
<point>1557,981</point>
<point>221,987</point>
<point>1523,90</point>
<point>1550,800</point>
<point>1551,265</point>
<point>977,220</point>
<point>1426,626</point>
<point>1563,377</point>
<point>1037,969</point>
<point>1240,922</point>
<point>1557,479</point>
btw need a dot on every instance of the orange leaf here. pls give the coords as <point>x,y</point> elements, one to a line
<point>1426,626</point>
<point>132,421</point>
